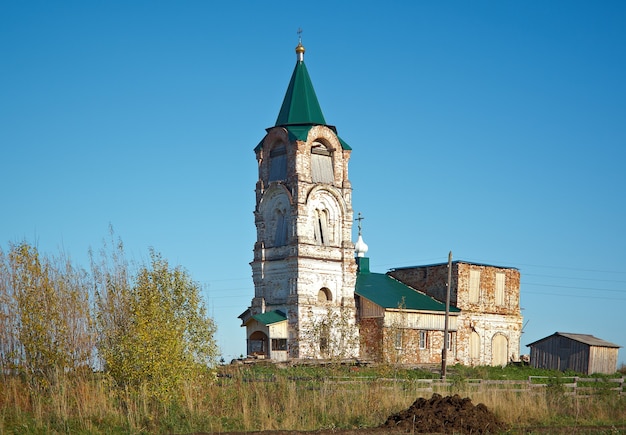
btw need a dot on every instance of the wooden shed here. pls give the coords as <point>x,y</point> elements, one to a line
<point>581,353</point>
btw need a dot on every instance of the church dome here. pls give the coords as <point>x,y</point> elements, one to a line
<point>360,248</point>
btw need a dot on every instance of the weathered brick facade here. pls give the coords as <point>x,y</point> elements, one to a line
<point>403,335</point>
<point>304,258</point>
<point>489,325</point>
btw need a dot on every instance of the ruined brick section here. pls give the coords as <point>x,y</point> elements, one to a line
<point>401,343</point>
<point>489,326</point>
<point>371,336</point>
<point>406,349</point>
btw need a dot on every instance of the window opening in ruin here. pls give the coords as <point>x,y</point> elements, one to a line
<point>423,340</point>
<point>280,237</point>
<point>321,227</point>
<point>398,339</point>
<point>278,163</point>
<point>279,344</point>
<point>324,295</point>
<point>451,341</point>
<point>321,164</point>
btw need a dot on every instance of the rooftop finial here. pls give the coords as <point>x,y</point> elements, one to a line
<point>359,218</point>
<point>300,47</point>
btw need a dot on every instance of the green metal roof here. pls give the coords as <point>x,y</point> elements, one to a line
<point>390,293</point>
<point>300,105</point>
<point>298,132</point>
<point>300,110</point>
<point>301,132</point>
<point>270,317</point>
<point>344,145</point>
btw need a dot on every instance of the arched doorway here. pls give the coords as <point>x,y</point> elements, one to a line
<point>499,350</point>
<point>257,344</point>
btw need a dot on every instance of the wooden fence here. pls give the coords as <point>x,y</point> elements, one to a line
<point>574,385</point>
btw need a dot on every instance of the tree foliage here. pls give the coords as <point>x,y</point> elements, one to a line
<point>46,323</point>
<point>331,334</point>
<point>154,331</point>
<point>145,327</point>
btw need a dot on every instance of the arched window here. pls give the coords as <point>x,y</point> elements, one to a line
<point>280,236</point>
<point>278,163</point>
<point>321,232</point>
<point>325,214</point>
<point>275,209</point>
<point>321,164</point>
<point>324,295</point>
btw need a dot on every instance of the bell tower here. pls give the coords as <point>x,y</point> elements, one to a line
<point>304,271</point>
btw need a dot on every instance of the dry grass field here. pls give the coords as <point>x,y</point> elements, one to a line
<point>341,399</point>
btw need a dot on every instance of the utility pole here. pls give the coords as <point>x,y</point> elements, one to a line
<point>444,351</point>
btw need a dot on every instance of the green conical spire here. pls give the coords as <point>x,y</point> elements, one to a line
<point>300,106</point>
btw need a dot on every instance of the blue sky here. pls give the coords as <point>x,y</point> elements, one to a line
<point>495,130</point>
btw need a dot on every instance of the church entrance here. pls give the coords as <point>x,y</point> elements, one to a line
<point>257,344</point>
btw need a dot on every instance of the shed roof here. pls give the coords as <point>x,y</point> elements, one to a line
<point>582,338</point>
<point>390,293</point>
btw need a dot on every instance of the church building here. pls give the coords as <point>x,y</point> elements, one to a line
<point>314,295</point>
<point>303,269</point>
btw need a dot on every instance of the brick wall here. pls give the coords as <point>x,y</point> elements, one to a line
<point>493,323</point>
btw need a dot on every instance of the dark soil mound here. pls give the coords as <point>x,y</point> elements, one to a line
<point>450,414</point>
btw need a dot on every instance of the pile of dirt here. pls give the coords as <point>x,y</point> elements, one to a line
<point>450,414</point>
